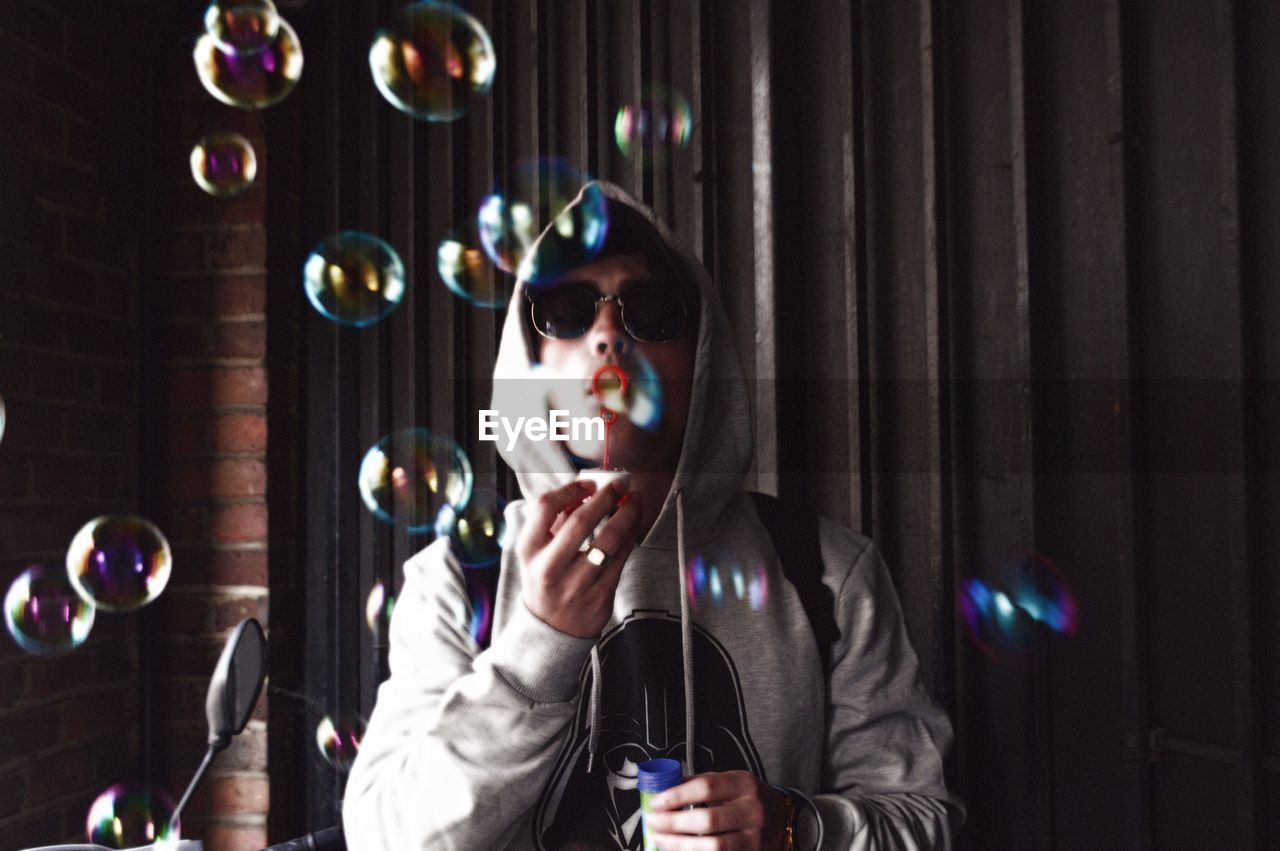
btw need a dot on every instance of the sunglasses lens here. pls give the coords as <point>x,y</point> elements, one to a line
<point>653,314</point>
<point>564,313</point>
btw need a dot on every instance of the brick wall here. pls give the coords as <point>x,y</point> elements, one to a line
<point>69,352</point>
<point>210,299</point>
<point>135,366</point>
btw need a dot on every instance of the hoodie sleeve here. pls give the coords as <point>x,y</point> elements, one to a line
<point>460,741</point>
<point>882,776</point>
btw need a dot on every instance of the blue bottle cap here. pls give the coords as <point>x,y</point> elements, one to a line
<point>657,775</point>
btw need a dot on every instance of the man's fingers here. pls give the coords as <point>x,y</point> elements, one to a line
<point>544,510</point>
<point>618,539</point>
<point>706,788</point>
<point>721,842</point>
<point>740,814</point>
<point>564,546</point>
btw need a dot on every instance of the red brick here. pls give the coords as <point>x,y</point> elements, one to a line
<point>229,612</point>
<point>106,242</point>
<point>211,296</point>
<point>240,339</point>
<point>13,479</point>
<point>194,388</point>
<point>184,251</point>
<point>236,249</point>
<point>206,567</point>
<point>234,837</point>
<point>238,795</point>
<point>25,733</point>
<point>186,434</point>
<point>33,426</point>
<point>238,524</point>
<point>84,717</point>
<point>31,120</point>
<point>239,433</point>
<point>187,525</point>
<point>12,792</point>
<point>195,481</point>
<point>30,831</point>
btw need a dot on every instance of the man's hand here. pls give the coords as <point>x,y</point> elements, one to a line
<point>559,585</point>
<point>739,812</point>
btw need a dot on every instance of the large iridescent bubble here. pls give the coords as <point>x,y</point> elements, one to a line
<point>655,126</point>
<point>242,26</point>
<point>468,274</point>
<point>44,614</point>
<point>1008,613</point>
<point>409,476</point>
<point>339,740</point>
<point>224,164</point>
<point>432,61</point>
<point>477,533</point>
<point>119,563</point>
<point>354,278</point>
<point>250,80</point>
<point>536,195</point>
<point>129,816</point>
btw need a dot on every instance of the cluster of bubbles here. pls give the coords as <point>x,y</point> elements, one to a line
<point>224,164</point>
<point>432,61</point>
<point>116,563</point>
<point>339,740</point>
<point>354,279</point>
<point>248,57</point>
<point>409,476</point>
<point>715,585</point>
<point>659,123</point>
<point>1006,615</point>
<point>127,816</point>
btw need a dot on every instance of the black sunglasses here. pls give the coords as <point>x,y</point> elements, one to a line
<point>651,312</point>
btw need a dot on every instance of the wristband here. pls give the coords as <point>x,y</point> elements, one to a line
<point>789,817</point>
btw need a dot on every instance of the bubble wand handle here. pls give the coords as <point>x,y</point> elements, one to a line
<point>618,374</point>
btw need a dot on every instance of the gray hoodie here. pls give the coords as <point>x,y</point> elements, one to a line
<point>485,749</point>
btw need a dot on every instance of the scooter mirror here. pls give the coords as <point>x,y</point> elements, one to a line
<point>236,683</point>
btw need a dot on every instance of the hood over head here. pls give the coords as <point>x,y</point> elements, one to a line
<point>718,441</point>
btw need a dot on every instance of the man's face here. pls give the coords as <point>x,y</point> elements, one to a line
<point>574,361</point>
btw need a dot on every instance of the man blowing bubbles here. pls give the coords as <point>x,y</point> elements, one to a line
<point>799,724</point>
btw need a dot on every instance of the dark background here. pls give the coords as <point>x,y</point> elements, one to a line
<point>1005,275</point>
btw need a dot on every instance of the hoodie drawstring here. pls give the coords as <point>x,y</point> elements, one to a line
<point>593,741</point>
<point>686,635</point>
<point>686,652</point>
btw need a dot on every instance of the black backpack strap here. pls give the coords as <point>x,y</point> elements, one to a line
<point>794,531</point>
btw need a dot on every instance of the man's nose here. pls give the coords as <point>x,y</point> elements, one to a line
<point>607,334</point>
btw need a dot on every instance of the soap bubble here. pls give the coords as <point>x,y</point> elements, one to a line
<point>250,80</point>
<point>477,533</point>
<point>242,26</point>
<point>537,194</point>
<point>224,164</point>
<point>707,584</point>
<point>410,475</point>
<point>2,418</point>
<point>119,563</point>
<point>1006,615</point>
<point>378,608</point>
<point>354,278</point>
<point>481,611</point>
<point>127,816</point>
<point>44,614</point>
<point>468,274</point>
<point>339,740</point>
<point>432,61</point>
<point>660,122</point>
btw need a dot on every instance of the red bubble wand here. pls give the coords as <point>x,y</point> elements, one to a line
<point>607,414</point>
